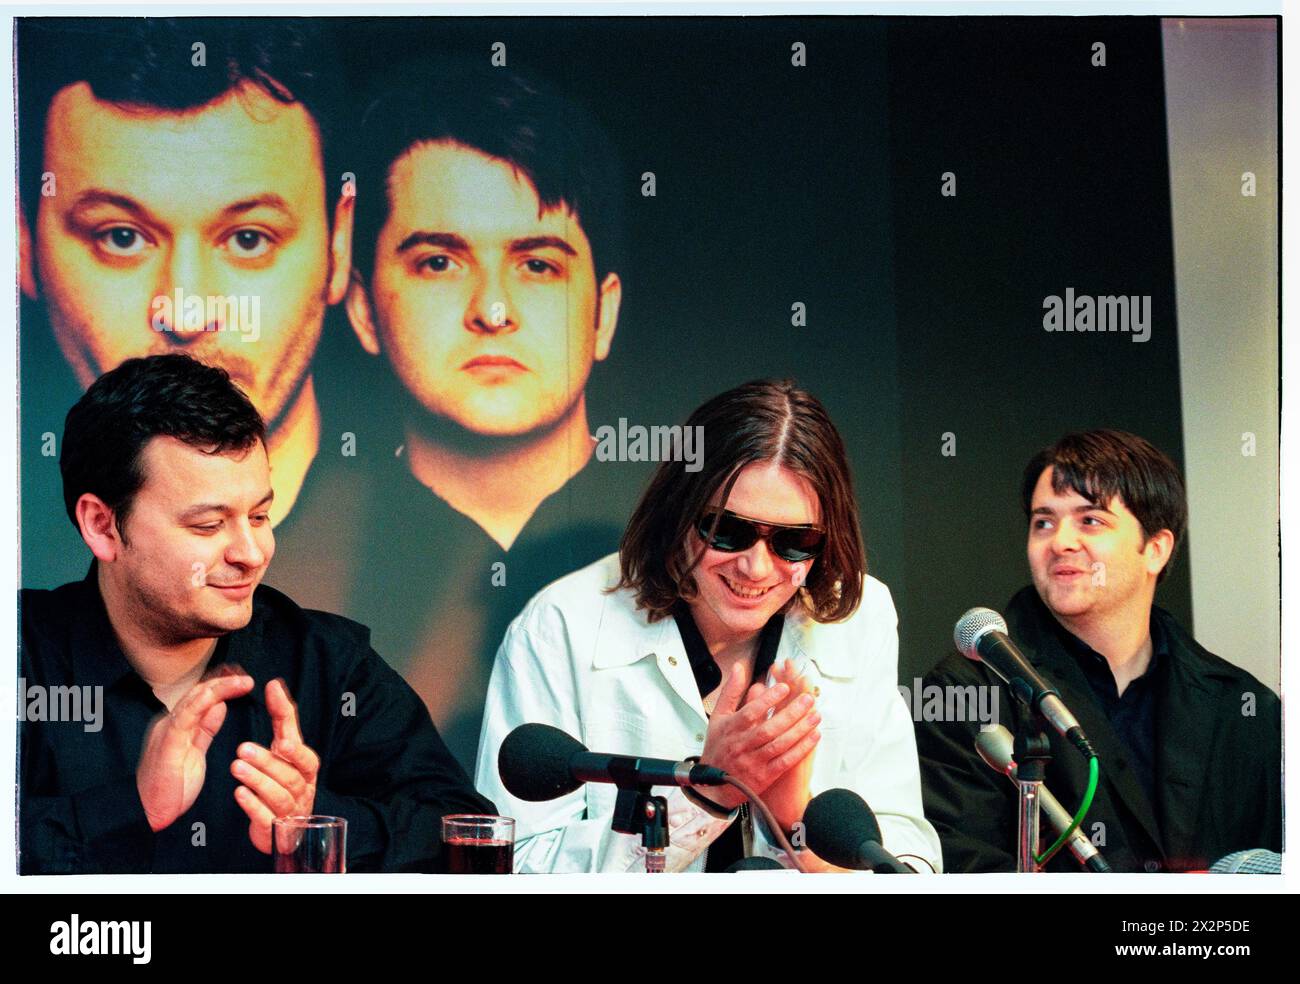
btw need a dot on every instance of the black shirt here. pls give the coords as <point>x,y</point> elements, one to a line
<point>1133,713</point>
<point>729,847</point>
<point>383,766</point>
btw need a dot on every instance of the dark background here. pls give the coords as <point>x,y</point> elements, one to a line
<point>821,185</point>
<point>1062,178</point>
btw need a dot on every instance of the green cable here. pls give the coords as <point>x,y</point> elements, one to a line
<point>1094,769</point>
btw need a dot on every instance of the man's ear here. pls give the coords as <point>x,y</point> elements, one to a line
<point>341,247</point>
<point>611,298</point>
<point>1159,548</point>
<point>362,315</point>
<point>98,527</point>
<point>26,258</point>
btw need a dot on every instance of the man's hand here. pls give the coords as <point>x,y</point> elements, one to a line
<point>174,760</point>
<point>789,795</point>
<point>280,781</point>
<point>745,742</point>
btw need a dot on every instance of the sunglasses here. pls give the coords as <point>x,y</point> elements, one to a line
<point>734,533</point>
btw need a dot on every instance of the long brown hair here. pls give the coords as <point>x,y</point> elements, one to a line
<point>763,421</point>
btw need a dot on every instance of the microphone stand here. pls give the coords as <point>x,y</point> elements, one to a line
<point>637,812</point>
<point>1033,752</point>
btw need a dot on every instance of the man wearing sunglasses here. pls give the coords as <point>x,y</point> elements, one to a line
<point>736,624</point>
<point>730,532</point>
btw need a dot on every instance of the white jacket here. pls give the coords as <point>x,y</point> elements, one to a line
<point>589,663</point>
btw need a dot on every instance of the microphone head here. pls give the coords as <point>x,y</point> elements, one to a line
<point>755,864</point>
<point>971,626</point>
<point>1256,861</point>
<point>838,823</point>
<point>534,762</point>
<point>997,748</point>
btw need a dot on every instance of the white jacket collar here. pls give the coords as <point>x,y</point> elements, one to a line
<point>627,636</point>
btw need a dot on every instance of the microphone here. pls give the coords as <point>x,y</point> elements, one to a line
<point>843,830</point>
<point>981,635</point>
<point>995,747</point>
<point>1256,861</point>
<point>538,762</point>
<point>756,864</point>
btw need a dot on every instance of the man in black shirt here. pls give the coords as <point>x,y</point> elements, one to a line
<point>1189,745</point>
<point>189,662</point>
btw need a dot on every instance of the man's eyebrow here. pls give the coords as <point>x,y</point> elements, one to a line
<point>206,507</point>
<point>101,196</point>
<point>447,240</point>
<point>1085,508</point>
<point>268,200</point>
<point>530,243</point>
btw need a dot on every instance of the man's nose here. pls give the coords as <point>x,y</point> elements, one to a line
<point>1066,538</point>
<point>490,310</point>
<point>756,563</point>
<point>245,548</point>
<point>180,309</point>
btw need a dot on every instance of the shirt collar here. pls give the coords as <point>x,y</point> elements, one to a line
<point>1084,653</point>
<point>708,677</point>
<point>620,621</point>
<point>97,656</point>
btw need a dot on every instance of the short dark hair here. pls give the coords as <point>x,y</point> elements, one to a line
<point>1101,464</point>
<point>106,431</point>
<point>763,421</point>
<point>146,62</point>
<point>555,142</point>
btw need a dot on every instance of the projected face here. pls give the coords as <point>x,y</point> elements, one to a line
<point>485,306</point>
<point>203,231</point>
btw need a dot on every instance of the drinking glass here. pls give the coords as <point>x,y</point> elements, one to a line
<point>309,844</point>
<point>478,845</point>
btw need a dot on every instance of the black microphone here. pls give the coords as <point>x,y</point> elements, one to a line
<point>995,746</point>
<point>756,864</point>
<point>981,635</point>
<point>538,762</point>
<point>843,830</point>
